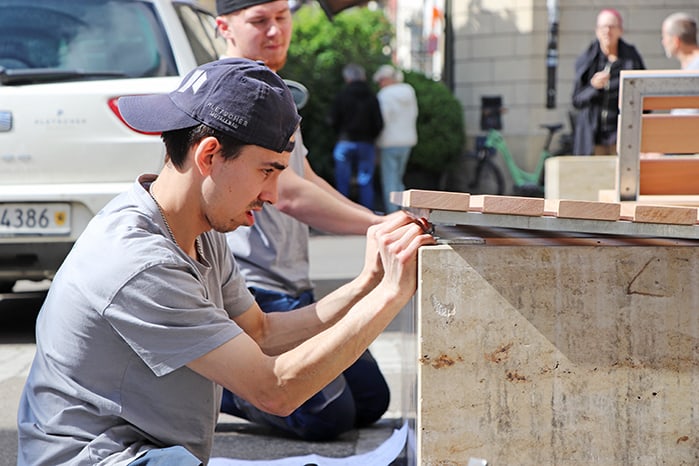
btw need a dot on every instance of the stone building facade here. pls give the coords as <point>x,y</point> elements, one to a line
<point>498,48</point>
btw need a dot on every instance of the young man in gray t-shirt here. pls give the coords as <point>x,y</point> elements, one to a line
<point>149,316</point>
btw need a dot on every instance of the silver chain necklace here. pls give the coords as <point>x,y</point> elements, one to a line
<point>200,251</point>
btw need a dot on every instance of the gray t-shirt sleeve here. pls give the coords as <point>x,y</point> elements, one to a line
<point>169,318</point>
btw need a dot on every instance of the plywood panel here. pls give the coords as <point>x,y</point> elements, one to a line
<point>670,175</point>
<point>670,134</point>
<point>669,102</point>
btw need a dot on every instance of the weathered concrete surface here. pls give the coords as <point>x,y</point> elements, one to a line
<point>560,355</point>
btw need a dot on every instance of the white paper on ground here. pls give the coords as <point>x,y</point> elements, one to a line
<point>383,455</point>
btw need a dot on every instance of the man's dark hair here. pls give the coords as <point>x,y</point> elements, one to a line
<point>178,142</point>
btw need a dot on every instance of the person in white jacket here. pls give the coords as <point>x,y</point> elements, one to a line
<point>399,135</point>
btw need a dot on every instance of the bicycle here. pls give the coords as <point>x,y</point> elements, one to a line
<point>488,177</point>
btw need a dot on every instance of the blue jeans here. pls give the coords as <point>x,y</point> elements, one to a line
<point>393,163</point>
<point>357,398</point>
<point>172,456</point>
<point>362,155</point>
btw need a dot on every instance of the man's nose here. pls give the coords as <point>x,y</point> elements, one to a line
<point>274,29</point>
<point>270,193</point>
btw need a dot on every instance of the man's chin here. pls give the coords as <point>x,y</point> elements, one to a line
<point>276,65</point>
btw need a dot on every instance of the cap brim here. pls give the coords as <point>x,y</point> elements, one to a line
<point>153,113</point>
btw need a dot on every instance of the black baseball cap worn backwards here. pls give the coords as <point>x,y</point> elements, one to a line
<point>223,7</point>
<point>241,98</point>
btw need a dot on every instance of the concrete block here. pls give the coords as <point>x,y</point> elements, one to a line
<point>579,177</point>
<point>565,355</point>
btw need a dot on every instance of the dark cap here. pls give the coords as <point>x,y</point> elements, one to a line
<point>239,97</point>
<point>223,7</point>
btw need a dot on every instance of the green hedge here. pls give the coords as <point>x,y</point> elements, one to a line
<point>440,125</point>
<point>321,48</point>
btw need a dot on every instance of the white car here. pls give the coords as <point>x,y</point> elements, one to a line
<point>64,151</point>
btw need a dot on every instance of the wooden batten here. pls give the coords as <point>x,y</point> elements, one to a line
<point>425,199</point>
<point>561,208</point>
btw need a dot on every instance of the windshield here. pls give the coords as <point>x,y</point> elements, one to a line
<point>90,37</point>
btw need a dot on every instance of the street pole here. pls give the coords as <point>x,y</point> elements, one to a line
<point>448,73</point>
<point>552,53</point>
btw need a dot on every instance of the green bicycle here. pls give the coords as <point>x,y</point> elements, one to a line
<point>530,184</point>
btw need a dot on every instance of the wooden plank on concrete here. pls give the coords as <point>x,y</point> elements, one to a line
<point>670,175</point>
<point>512,205</point>
<point>425,199</point>
<point>590,210</point>
<point>662,214</point>
<point>670,134</point>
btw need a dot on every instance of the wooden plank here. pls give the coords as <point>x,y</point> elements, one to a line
<point>669,102</point>
<point>511,205</point>
<point>425,199</point>
<point>670,134</point>
<point>671,215</point>
<point>669,175</point>
<point>588,210</point>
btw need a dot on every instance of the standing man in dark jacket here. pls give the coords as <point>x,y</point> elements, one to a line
<point>356,118</point>
<point>596,89</point>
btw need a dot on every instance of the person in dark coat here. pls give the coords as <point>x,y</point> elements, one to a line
<point>356,118</point>
<point>596,88</point>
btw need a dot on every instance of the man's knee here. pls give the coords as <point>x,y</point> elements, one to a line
<point>325,416</point>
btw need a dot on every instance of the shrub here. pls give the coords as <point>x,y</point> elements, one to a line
<point>440,125</point>
<point>318,52</point>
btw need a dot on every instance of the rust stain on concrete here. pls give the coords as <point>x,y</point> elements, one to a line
<point>514,376</point>
<point>499,355</point>
<point>442,361</point>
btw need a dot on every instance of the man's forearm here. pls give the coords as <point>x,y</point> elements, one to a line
<point>313,319</point>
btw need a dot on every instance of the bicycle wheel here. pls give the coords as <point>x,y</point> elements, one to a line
<point>488,179</point>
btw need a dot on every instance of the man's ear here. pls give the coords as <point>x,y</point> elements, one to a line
<point>204,152</point>
<point>223,28</point>
<point>221,25</point>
